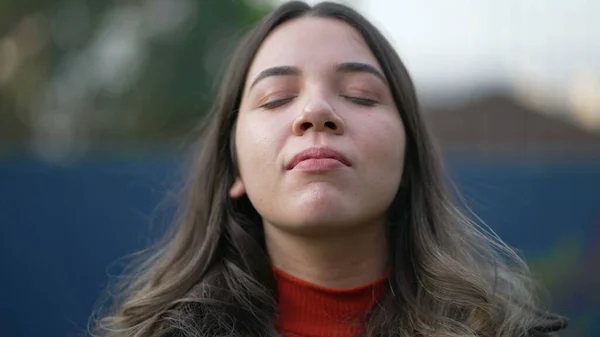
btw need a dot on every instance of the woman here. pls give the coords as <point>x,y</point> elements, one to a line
<point>317,207</point>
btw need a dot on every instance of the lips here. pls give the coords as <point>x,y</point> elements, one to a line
<point>317,153</point>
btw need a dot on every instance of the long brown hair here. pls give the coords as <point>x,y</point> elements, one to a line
<point>211,275</point>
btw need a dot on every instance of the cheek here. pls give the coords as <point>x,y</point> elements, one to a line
<point>256,146</point>
<point>383,142</point>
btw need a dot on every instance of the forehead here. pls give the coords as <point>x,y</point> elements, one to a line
<point>312,43</point>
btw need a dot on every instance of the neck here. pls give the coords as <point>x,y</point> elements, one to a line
<point>344,259</point>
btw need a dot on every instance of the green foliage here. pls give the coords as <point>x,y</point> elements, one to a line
<point>169,91</point>
<point>178,87</point>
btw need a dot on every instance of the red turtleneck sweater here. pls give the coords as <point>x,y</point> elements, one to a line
<point>309,310</point>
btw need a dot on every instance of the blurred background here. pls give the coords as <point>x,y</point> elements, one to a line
<point>97,100</point>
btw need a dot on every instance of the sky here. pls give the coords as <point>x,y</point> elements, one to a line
<point>448,42</point>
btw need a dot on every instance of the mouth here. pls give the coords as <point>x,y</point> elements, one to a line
<point>321,157</point>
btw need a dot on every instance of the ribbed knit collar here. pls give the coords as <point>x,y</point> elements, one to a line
<point>306,309</point>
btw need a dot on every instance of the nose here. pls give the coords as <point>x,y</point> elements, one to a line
<point>319,116</point>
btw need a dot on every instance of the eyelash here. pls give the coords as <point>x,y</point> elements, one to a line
<point>276,103</point>
<point>357,100</point>
<point>361,100</point>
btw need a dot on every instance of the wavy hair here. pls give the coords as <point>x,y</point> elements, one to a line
<point>211,274</point>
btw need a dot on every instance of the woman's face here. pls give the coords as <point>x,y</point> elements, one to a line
<point>319,140</point>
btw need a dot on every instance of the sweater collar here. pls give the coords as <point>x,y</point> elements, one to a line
<point>307,309</point>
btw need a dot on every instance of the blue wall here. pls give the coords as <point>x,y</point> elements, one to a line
<point>62,226</point>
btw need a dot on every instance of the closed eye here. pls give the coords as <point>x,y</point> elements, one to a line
<point>276,103</point>
<point>361,100</point>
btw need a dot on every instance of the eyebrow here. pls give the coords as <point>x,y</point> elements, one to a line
<point>276,71</point>
<point>348,67</point>
<point>357,67</point>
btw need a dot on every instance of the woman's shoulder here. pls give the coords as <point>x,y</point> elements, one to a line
<point>547,324</point>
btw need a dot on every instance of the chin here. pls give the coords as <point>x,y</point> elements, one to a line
<point>321,219</point>
<point>316,226</point>
<point>322,205</point>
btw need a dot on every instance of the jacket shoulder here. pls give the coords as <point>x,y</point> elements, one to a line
<point>547,324</point>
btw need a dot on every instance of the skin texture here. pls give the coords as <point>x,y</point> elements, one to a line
<point>328,226</point>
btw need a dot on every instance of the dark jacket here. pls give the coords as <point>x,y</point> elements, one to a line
<point>547,325</point>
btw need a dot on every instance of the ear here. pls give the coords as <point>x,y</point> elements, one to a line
<point>237,189</point>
